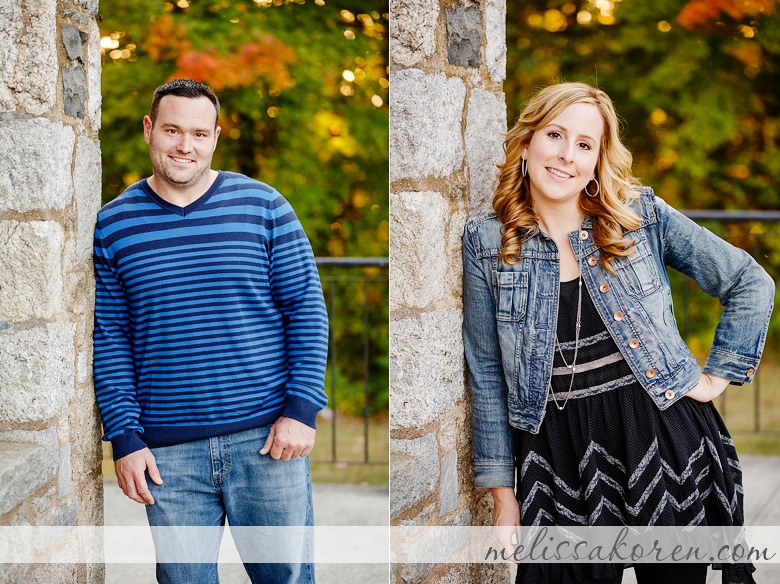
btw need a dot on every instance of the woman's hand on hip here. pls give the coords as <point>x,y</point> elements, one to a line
<point>506,520</point>
<point>708,388</point>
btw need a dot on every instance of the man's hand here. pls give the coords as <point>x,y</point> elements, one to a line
<point>130,471</point>
<point>288,439</point>
<point>708,388</point>
<point>506,519</point>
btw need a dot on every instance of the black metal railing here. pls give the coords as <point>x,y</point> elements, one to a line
<point>356,293</point>
<point>747,409</point>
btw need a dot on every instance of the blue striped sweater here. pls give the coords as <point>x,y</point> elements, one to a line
<point>209,319</point>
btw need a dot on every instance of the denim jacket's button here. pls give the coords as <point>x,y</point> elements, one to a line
<point>618,316</point>
<point>669,394</point>
<point>633,343</point>
<point>650,373</point>
<point>750,372</point>
<point>583,235</point>
<point>604,288</point>
<point>592,261</point>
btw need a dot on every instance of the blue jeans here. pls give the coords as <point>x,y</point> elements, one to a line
<point>208,481</point>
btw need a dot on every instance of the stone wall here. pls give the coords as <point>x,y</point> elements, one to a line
<point>447,119</point>
<point>50,188</point>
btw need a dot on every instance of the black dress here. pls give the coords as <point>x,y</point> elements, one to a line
<point>611,457</point>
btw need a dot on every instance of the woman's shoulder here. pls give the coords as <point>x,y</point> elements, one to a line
<point>644,204</point>
<point>483,234</point>
<point>485,221</point>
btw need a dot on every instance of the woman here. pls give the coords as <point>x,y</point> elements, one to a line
<point>587,406</point>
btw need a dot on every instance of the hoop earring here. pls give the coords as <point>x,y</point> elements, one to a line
<point>524,168</point>
<point>598,188</point>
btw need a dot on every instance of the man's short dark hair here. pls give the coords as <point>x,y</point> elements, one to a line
<point>183,88</point>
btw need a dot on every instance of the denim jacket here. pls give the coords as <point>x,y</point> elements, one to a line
<point>510,315</point>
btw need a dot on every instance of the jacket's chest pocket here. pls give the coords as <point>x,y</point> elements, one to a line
<point>639,271</point>
<point>512,295</point>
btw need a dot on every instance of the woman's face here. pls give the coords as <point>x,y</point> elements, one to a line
<point>562,155</point>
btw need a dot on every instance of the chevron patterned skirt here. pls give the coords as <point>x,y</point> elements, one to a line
<point>610,457</point>
<point>615,459</point>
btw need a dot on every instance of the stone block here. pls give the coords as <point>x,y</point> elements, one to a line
<point>30,270</point>
<point>414,471</point>
<point>35,165</point>
<point>86,450</point>
<point>11,27</point>
<point>426,379</point>
<point>423,545</point>
<point>417,256</point>
<point>413,30</point>
<point>493,573</point>
<point>55,513</point>
<point>60,514</point>
<point>423,515</point>
<point>91,501</point>
<point>28,57</point>
<point>425,124</point>
<point>36,373</point>
<point>74,90</point>
<point>79,291</point>
<point>96,573</point>
<point>94,69</point>
<point>45,573</point>
<point>15,573</point>
<point>462,519</point>
<point>46,438</point>
<point>464,35</point>
<point>456,574</point>
<point>495,37</point>
<point>90,5</point>
<point>454,237</point>
<point>87,191</point>
<point>24,468</point>
<point>83,367</point>
<point>454,429</point>
<point>72,39</point>
<point>63,475</point>
<point>449,485</point>
<point>63,431</point>
<point>485,130</point>
<point>415,573</point>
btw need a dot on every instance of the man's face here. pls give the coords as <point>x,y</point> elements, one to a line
<point>182,141</point>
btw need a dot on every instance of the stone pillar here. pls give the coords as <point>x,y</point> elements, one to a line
<point>447,120</point>
<point>49,196</point>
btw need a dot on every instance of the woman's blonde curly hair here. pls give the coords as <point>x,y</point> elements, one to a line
<point>610,209</point>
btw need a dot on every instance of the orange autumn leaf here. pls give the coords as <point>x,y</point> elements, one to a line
<point>747,53</point>
<point>699,12</point>
<point>267,59</point>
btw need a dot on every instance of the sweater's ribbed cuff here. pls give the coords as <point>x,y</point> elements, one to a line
<point>302,410</point>
<point>126,443</point>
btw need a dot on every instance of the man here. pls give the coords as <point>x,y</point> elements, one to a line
<point>210,349</point>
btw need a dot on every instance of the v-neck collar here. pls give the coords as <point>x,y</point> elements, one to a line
<point>183,211</point>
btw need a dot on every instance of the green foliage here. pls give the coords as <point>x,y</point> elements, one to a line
<point>303,87</point>
<point>695,82</point>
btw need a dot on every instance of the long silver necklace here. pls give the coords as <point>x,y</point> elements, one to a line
<point>577,324</point>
